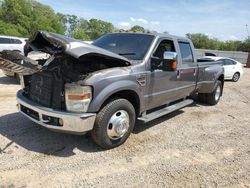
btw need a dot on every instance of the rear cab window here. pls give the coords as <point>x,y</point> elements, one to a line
<point>186,52</point>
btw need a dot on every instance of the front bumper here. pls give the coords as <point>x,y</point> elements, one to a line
<point>60,121</point>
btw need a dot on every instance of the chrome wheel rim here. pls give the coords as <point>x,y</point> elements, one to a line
<point>236,77</point>
<point>118,125</point>
<point>217,93</point>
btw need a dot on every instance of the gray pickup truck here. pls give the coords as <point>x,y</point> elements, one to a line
<point>103,88</point>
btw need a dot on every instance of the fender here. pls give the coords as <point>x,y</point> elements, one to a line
<point>113,88</point>
<point>208,87</point>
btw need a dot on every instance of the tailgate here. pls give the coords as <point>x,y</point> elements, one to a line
<point>12,61</point>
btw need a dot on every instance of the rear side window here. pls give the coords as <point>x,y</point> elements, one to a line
<point>16,41</point>
<point>228,62</point>
<point>5,40</point>
<point>186,52</point>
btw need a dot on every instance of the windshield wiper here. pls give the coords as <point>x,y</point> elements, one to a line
<point>127,53</point>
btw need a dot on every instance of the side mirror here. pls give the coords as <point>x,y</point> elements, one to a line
<point>169,61</point>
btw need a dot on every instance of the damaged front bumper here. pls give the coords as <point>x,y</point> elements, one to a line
<point>73,123</point>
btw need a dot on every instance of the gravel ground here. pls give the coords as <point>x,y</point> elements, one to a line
<point>199,146</point>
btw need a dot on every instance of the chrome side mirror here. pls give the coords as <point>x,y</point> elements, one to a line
<point>169,61</point>
<point>170,56</point>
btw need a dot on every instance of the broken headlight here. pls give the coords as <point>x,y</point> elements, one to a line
<point>77,97</point>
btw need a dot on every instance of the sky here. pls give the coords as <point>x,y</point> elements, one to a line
<point>224,19</point>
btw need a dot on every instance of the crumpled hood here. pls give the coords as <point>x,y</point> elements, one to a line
<point>55,43</point>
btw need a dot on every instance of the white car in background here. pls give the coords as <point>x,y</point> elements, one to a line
<point>233,69</point>
<point>12,43</point>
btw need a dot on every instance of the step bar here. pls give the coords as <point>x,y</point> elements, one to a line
<point>165,111</point>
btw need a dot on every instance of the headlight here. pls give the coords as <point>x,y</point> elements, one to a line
<point>77,97</point>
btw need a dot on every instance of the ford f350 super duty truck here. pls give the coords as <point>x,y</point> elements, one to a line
<point>103,88</point>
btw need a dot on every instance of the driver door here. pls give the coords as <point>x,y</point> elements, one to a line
<point>163,86</point>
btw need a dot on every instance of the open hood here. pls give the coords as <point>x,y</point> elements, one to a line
<point>12,61</point>
<point>53,44</point>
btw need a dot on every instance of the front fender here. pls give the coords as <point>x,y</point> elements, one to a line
<point>111,89</point>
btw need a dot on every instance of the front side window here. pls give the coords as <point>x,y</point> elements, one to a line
<point>186,52</point>
<point>165,45</point>
<point>5,40</point>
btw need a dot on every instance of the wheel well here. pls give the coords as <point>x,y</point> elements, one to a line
<point>237,73</point>
<point>129,95</point>
<point>221,78</point>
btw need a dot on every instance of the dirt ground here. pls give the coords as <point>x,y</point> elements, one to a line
<point>199,146</point>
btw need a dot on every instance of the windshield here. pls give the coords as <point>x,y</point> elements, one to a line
<point>131,46</point>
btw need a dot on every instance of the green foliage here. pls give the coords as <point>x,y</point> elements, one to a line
<point>80,30</point>
<point>84,29</point>
<point>97,28</point>
<point>245,46</point>
<point>202,41</point>
<point>23,17</point>
<point>137,28</point>
<point>44,18</point>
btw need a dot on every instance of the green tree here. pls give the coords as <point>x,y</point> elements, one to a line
<point>23,17</point>
<point>245,46</point>
<point>44,18</point>
<point>137,28</point>
<point>97,28</point>
<point>80,30</point>
<point>204,42</point>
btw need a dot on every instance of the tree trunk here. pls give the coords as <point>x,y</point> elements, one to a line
<point>248,60</point>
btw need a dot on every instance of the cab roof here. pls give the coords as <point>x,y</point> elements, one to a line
<point>155,34</point>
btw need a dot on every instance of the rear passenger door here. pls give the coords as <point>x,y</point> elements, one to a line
<point>188,68</point>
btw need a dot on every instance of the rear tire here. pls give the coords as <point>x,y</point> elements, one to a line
<point>114,123</point>
<point>236,77</point>
<point>214,97</point>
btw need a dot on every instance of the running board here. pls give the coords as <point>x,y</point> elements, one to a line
<point>165,111</point>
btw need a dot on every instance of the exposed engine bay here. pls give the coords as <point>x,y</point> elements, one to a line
<point>70,60</point>
<point>46,87</point>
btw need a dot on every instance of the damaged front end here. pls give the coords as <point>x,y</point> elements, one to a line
<point>52,95</point>
<point>70,60</point>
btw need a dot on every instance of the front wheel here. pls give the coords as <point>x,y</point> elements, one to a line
<point>114,123</point>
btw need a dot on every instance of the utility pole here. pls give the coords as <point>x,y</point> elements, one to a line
<point>247,31</point>
<point>248,59</point>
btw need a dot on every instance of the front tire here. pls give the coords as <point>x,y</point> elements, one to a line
<point>114,123</point>
<point>236,77</point>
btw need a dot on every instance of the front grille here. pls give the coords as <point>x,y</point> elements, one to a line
<point>46,90</point>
